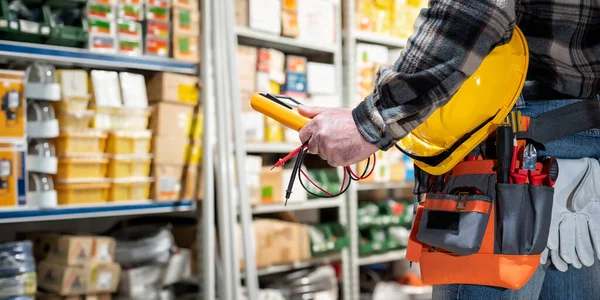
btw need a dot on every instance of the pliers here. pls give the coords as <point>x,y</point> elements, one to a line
<point>529,169</point>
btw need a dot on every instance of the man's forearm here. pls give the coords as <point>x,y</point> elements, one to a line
<point>452,37</point>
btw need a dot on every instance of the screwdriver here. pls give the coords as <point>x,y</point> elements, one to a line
<point>504,150</point>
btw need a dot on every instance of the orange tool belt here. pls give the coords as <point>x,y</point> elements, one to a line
<point>491,237</point>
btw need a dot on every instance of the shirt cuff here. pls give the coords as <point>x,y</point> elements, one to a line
<point>369,130</point>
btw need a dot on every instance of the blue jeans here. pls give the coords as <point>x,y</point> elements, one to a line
<point>547,283</point>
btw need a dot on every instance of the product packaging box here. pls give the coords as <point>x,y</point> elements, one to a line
<point>169,150</point>
<point>271,183</point>
<point>189,4</point>
<point>254,126</point>
<point>13,179</point>
<point>289,18</point>
<point>48,296</point>
<point>156,46</point>
<point>241,13</point>
<point>167,182</point>
<point>247,58</point>
<point>78,280</point>
<point>103,250</point>
<point>171,87</point>
<point>171,119</point>
<point>295,85</point>
<point>265,15</point>
<point>185,48</point>
<point>186,21</point>
<point>63,249</point>
<point>320,78</point>
<point>316,21</point>
<point>12,114</point>
<point>253,171</point>
<point>63,280</point>
<point>189,182</point>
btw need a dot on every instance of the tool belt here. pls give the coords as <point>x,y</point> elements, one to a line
<point>470,229</point>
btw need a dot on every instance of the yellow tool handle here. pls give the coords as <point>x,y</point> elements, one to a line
<point>290,118</point>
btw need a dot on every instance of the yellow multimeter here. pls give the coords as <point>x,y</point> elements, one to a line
<point>283,109</point>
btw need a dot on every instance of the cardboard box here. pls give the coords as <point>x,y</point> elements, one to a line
<point>63,280</point>
<point>12,106</point>
<point>171,87</point>
<point>189,4</point>
<point>178,267</point>
<point>169,150</point>
<point>247,59</point>
<point>104,278</point>
<point>65,249</point>
<point>254,126</point>
<point>185,47</point>
<point>171,119</point>
<point>316,20</point>
<point>13,178</point>
<point>189,182</point>
<point>138,280</point>
<point>265,15</point>
<point>241,13</point>
<point>186,21</point>
<point>47,296</point>
<point>320,78</point>
<point>289,18</point>
<point>103,250</point>
<point>167,182</point>
<point>271,185</point>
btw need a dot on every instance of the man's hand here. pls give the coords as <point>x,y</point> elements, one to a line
<point>332,134</point>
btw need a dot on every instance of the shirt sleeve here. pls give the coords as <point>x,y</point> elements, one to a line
<point>450,41</point>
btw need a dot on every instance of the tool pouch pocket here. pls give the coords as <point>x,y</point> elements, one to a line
<point>523,215</point>
<point>455,223</point>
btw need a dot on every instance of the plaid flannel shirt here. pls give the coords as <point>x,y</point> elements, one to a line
<point>451,39</point>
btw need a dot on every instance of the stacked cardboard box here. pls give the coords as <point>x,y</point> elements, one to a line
<point>174,101</point>
<point>71,265</point>
<point>186,30</point>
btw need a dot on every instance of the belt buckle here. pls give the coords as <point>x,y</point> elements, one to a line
<point>461,203</point>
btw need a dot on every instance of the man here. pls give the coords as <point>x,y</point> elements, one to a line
<point>451,39</point>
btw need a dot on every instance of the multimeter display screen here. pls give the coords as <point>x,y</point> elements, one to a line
<point>283,100</point>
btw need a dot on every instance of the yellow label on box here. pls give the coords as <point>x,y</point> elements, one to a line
<point>187,94</point>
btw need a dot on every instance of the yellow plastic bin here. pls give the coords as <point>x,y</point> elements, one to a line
<point>130,189</point>
<point>78,120</point>
<point>121,118</point>
<point>86,141</point>
<point>127,166</point>
<point>78,167</point>
<point>82,192</point>
<point>72,104</point>
<point>129,142</point>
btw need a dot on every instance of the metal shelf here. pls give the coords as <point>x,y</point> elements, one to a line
<point>271,147</point>
<point>382,258</point>
<point>299,265</point>
<point>383,185</point>
<point>108,209</point>
<point>257,38</point>
<point>84,58</point>
<point>307,205</point>
<point>379,39</point>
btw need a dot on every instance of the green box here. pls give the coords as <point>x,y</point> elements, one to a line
<point>23,30</point>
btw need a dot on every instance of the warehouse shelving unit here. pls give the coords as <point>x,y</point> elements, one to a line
<point>71,212</point>
<point>16,51</point>
<point>353,36</point>
<point>322,53</point>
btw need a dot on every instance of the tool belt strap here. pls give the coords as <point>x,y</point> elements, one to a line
<point>563,122</point>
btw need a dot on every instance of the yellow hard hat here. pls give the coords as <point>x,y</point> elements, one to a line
<point>475,111</point>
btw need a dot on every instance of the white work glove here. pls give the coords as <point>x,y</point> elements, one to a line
<point>575,214</point>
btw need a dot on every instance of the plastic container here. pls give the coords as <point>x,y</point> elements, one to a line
<point>72,104</point>
<point>80,141</point>
<point>79,167</point>
<point>71,35</point>
<point>130,189</point>
<point>121,118</point>
<point>124,142</point>
<point>18,29</point>
<point>127,166</point>
<point>76,120</point>
<point>79,192</point>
